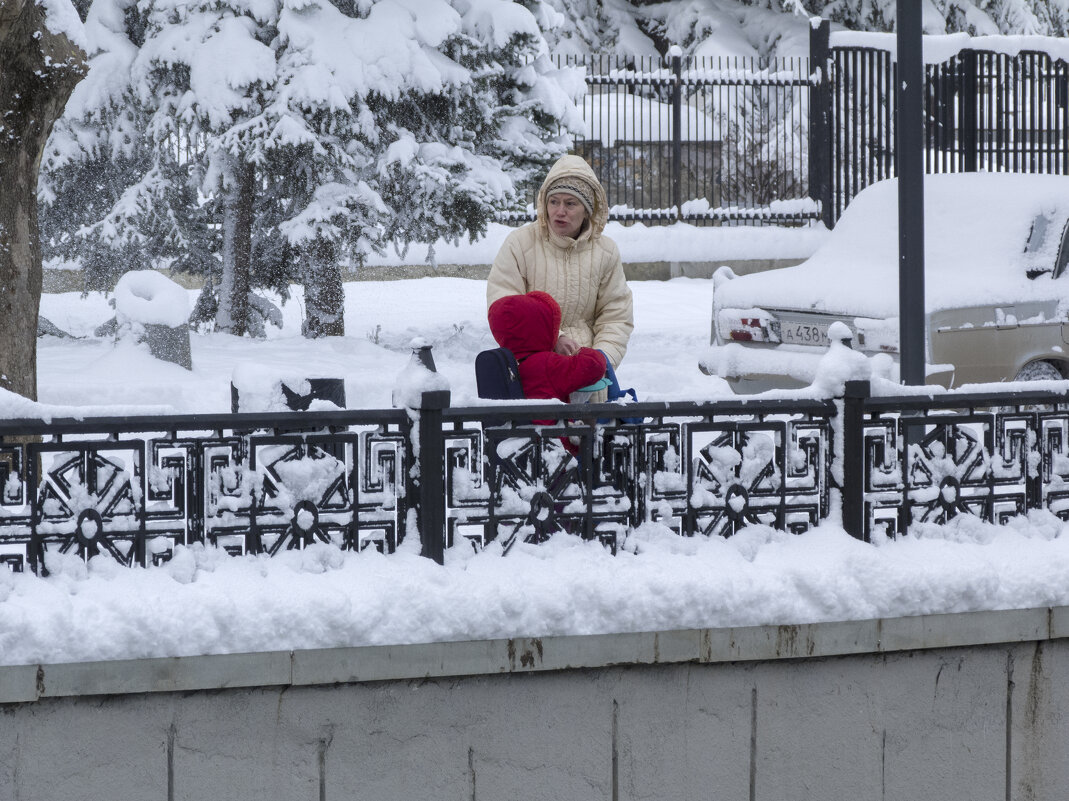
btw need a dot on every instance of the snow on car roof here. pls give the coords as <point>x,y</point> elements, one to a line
<point>976,229</point>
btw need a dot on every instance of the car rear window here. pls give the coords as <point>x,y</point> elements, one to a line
<point>1047,248</point>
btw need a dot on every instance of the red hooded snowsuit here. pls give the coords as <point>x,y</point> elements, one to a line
<point>528,325</point>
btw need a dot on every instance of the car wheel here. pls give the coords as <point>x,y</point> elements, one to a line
<point>1039,371</point>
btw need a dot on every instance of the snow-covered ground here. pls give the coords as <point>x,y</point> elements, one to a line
<point>205,602</point>
<point>382,318</point>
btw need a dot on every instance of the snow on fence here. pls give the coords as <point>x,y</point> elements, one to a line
<point>136,487</point>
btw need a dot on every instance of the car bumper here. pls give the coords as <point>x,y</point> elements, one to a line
<point>782,367</point>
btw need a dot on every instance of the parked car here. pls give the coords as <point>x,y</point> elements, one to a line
<point>996,293</point>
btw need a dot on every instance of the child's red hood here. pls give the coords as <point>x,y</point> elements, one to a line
<point>525,324</point>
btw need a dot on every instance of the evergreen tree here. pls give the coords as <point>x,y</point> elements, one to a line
<point>581,27</point>
<point>448,106</point>
<point>1053,16</point>
<point>107,197</point>
<point>315,133</point>
<point>477,145</point>
<point>207,68</point>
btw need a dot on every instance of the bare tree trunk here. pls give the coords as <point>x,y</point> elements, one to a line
<point>324,295</point>
<point>233,313</point>
<point>38,72</point>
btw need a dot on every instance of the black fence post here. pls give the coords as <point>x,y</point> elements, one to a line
<point>853,459</point>
<point>425,474</point>
<point>430,495</point>
<point>820,119</point>
<point>910,153</point>
<point>968,110</point>
<point>677,131</point>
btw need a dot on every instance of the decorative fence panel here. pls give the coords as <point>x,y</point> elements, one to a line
<point>135,489</point>
<point>927,459</point>
<point>696,468</point>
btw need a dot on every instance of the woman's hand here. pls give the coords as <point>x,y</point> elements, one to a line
<point>566,346</point>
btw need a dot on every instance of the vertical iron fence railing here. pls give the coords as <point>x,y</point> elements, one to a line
<point>135,489</point>
<point>741,141</point>
<point>984,110</point>
<point>998,113</point>
<point>706,140</point>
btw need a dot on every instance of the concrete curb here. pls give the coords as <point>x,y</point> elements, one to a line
<point>27,683</point>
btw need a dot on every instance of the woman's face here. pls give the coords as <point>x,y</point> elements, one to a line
<point>566,214</point>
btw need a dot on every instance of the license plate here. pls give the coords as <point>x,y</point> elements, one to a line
<point>796,332</point>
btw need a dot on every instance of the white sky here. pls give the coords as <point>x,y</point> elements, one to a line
<point>205,602</point>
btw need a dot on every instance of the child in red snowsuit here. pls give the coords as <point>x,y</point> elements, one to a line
<point>528,325</point>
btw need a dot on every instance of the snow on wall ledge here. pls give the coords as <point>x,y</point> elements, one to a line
<point>28,683</point>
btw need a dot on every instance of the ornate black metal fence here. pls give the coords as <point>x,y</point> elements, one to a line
<point>135,488</point>
<point>926,459</point>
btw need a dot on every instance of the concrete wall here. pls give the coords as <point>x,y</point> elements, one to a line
<point>962,707</point>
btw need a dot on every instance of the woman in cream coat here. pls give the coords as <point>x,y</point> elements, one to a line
<point>563,252</point>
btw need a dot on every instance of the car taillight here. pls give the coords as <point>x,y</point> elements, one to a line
<point>877,336</point>
<point>746,330</point>
<point>737,325</point>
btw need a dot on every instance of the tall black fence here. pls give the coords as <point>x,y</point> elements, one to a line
<point>984,110</point>
<point>706,140</point>
<point>136,488</point>
<point>716,141</point>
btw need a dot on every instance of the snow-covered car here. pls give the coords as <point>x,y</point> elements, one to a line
<point>996,289</point>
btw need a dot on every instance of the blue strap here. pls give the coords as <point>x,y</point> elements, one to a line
<point>601,383</point>
<point>616,393</point>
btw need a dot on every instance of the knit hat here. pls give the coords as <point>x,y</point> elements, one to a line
<point>577,188</point>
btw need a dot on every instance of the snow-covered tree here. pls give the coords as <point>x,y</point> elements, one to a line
<point>975,17</point>
<point>112,198</point>
<point>205,70</point>
<point>480,140</point>
<point>42,53</point>
<point>1053,16</point>
<point>771,28</point>
<point>322,131</point>
<point>423,135</point>
<point>581,27</point>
